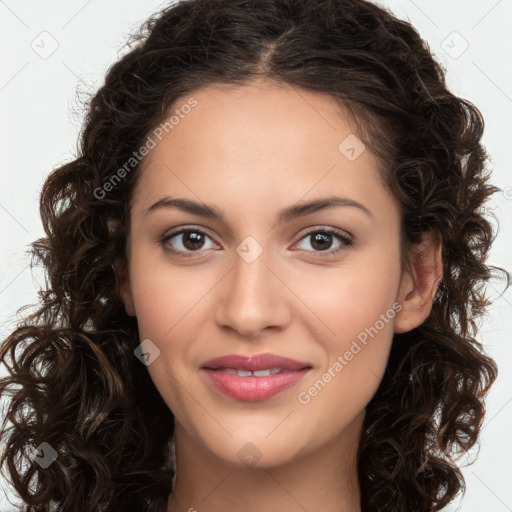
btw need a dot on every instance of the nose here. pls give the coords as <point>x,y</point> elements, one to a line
<point>253,299</point>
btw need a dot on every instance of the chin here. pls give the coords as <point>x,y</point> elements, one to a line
<point>255,449</point>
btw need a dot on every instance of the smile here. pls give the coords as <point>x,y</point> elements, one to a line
<point>255,378</point>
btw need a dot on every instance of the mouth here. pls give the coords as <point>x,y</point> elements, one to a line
<point>261,362</point>
<point>249,373</point>
<point>255,378</point>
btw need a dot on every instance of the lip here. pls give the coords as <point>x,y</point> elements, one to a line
<point>255,363</point>
<point>253,388</point>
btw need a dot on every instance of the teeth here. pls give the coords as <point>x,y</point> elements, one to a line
<point>248,373</point>
<point>266,373</point>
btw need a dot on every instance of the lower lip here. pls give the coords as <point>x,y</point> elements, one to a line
<point>253,389</point>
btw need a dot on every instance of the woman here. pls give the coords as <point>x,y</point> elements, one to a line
<point>264,271</point>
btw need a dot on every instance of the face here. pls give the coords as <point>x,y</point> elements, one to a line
<point>259,272</point>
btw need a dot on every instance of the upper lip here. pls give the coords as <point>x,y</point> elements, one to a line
<point>255,363</point>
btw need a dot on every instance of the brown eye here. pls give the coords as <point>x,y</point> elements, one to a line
<point>322,240</point>
<point>193,240</point>
<point>186,241</point>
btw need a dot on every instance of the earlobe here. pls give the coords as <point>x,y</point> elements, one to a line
<point>419,282</point>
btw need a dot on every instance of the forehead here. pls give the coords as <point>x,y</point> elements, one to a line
<point>252,114</point>
<point>264,140</point>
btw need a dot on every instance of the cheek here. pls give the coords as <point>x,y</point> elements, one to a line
<point>357,307</point>
<point>348,299</point>
<point>355,362</point>
<point>361,326</point>
<point>165,297</point>
<point>164,316</point>
<point>170,304</point>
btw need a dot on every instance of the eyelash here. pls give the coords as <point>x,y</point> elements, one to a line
<point>345,241</point>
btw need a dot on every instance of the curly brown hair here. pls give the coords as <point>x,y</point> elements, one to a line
<point>74,381</point>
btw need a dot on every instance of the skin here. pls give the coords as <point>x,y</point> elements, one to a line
<point>252,151</point>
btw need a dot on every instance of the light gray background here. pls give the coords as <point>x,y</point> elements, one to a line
<point>41,118</point>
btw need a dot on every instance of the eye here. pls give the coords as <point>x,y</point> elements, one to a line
<point>187,240</point>
<point>192,240</point>
<point>322,240</point>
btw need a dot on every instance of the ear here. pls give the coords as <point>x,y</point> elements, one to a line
<point>419,283</point>
<point>122,276</point>
<point>124,288</point>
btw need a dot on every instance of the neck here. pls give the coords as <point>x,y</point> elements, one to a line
<point>324,480</point>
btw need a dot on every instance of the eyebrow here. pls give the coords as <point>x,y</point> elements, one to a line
<point>285,215</point>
